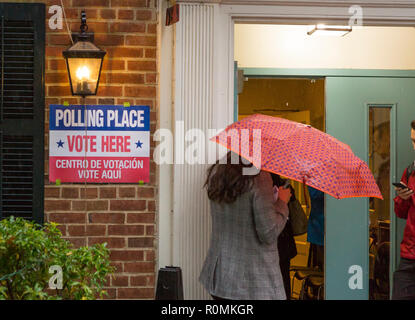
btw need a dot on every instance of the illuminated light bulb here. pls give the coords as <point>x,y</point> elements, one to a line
<point>83,73</point>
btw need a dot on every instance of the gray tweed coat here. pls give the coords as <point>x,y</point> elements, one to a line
<point>242,262</point>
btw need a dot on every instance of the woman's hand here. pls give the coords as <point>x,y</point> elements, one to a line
<point>284,194</point>
<point>405,194</point>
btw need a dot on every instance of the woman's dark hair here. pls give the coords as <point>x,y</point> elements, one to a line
<point>413,124</point>
<point>225,182</point>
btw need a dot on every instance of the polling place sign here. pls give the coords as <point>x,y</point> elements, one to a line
<point>99,144</point>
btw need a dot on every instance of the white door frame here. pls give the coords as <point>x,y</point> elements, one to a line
<point>375,13</point>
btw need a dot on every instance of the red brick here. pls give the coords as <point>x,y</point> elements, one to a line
<point>67,217</point>
<point>111,242</point>
<point>58,205</point>
<point>135,293</point>
<point>59,91</point>
<point>140,92</point>
<point>125,14</point>
<point>95,230</point>
<point>107,13</point>
<point>70,193</point>
<point>118,266</point>
<point>150,230</point>
<point>150,41</point>
<point>151,205</point>
<point>120,281</point>
<point>57,65</point>
<point>110,91</point>
<point>59,39</point>
<point>76,231</point>
<point>122,101</point>
<point>60,77</point>
<point>127,27</point>
<point>145,192</point>
<point>125,52</point>
<point>106,101</point>
<point>91,100</point>
<point>54,51</point>
<point>77,242</point>
<point>152,28</point>
<point>90,3</point>
<point>70,13</point>
<point>91,13</point>
<point>51,192</point>
<point>142,65</point>
<point>107,193</point>
<point>133,78</point>
<point>90,205</point>
<point>106,217</point>
<point>150,256</point>
<point>144,15</point>
<point>79,205</point>
<point>139,281</point>
<point>129,255</point>
<point>125,230</point>
<point>70,100</point>
<point>150,53</point>
<point>97,205</point>
<point>129,3</point>
<point>144,242</point>
<point>151,280</point>
<point>140,218</point>
<point>139,267</point>
<point>126,192</point>
<point>49,101</point>
<point>127,205</point>
<point>151,78</point>
<point>91,193</point>
<point>109,40</point>
<point>144,102</point>
<point>112,64</point>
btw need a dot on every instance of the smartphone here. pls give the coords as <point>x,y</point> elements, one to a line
<point>399,185</point>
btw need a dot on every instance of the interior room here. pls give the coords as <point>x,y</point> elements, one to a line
<point>302,99</point>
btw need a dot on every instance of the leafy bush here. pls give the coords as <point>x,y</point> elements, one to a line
<point>28,250</point>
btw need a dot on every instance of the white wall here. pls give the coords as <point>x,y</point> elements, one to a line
<point>283,46</point>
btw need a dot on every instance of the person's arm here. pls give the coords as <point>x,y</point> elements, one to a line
<point>270,216</point>
<point>401,204</point>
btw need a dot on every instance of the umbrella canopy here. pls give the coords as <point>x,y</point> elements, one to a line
<point>302,153</point>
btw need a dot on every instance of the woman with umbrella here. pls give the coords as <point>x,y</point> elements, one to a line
<point>242,262</point>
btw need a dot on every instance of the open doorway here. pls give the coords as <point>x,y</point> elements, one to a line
<point>301,100</point>
<point>379,210</point>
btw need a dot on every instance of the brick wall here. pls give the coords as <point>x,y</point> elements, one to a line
<point>121,215</point>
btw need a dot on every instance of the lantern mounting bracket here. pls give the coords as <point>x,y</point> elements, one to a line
<point>86,36</point>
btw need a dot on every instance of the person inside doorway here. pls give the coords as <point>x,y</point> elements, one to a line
<point>242,262</point>
<point>404,276</point>
<point>315,228</point>
<point>287,248</point>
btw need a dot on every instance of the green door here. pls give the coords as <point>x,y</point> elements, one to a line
<point>348,103</point>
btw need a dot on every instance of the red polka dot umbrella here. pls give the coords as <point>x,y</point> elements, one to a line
<point>302,153</point>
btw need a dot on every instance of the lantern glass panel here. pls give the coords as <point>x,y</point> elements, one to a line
<point>84,74</point>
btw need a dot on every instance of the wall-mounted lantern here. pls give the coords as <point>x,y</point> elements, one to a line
<point>84,62</point>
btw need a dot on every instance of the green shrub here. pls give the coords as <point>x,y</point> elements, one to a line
<point>28,250</point>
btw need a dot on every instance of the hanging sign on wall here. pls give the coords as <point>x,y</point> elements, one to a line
<point>111,146</point>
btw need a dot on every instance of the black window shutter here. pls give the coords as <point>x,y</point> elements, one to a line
<point>22,104</point>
